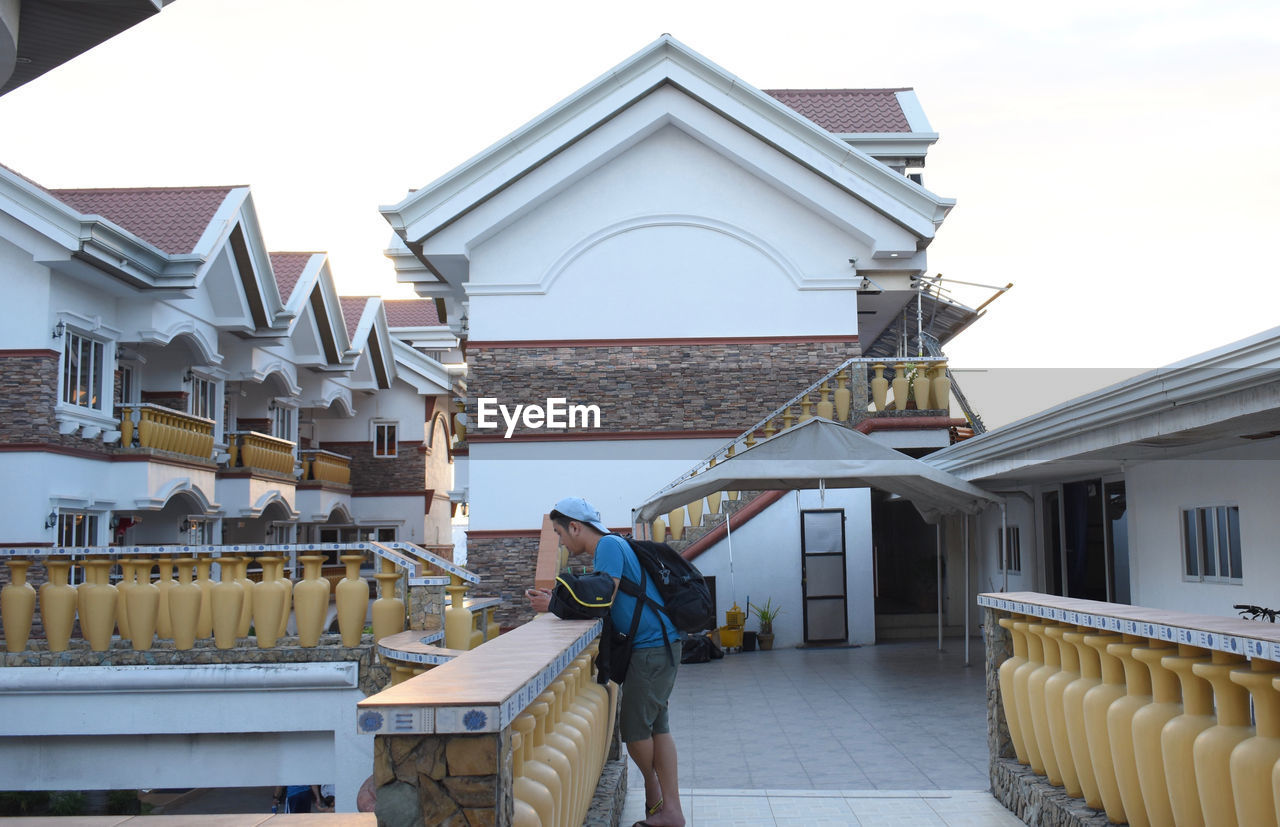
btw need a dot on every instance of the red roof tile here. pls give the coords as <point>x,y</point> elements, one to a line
<point>352,310</point>
<point>171,218</point>
<point>847,110</point>
<point>288,268</point>
<point>411,313</point>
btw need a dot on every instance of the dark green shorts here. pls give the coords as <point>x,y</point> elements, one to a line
<point>650,678</point>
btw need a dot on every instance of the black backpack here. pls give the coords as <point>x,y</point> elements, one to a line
<point>685,596</point>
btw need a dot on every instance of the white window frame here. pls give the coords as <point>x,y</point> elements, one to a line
<point>205,397</point>
<point>284,421</point>
<point>378,425</point>
<point>1212,525</point>
<point>95,420</point>
<point>87,532</point>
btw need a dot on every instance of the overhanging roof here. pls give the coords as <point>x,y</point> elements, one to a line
<point>51,32</point>
<point>821,453</point>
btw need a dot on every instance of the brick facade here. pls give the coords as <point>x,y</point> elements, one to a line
<point>406,471</point>
<point>696,385</point>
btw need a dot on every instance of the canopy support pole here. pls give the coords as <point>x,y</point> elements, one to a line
<point>1004,544</point>
<point>966,589</point>
<point>939,530</point>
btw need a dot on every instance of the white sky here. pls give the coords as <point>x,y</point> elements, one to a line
<point>1116,160</point>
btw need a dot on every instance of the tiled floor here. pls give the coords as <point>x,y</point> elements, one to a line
<point>884,735</point>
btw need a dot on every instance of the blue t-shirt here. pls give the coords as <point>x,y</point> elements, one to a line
<point>615,558</point>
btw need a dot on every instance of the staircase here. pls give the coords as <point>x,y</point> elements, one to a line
<point>711,520</point>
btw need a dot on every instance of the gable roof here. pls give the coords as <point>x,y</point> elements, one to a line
<point>848,110</point>
<point>411,313</point>
<point>664,63</point>
<point>352,311</point>
<point>173,219</point>
<point>287,268</point>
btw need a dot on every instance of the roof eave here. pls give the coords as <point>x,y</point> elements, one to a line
<point>423,212</point>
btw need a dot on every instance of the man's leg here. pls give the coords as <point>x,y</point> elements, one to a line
<point>664,765</point>
<point>642,753</point>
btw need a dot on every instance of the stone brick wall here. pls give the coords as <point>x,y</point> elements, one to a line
<point>640,386</point>
<point>443,779</point>
<point>506,566</point>
<point>406,471</point>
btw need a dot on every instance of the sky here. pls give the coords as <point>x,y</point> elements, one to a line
<point>1114,160</point>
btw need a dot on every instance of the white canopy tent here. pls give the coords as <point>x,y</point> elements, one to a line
<point>820,453</point>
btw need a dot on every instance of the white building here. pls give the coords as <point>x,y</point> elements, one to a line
<point>1156,491</point>
<point>676,253</point>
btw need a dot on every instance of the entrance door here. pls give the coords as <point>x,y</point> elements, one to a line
<point>822,576</point>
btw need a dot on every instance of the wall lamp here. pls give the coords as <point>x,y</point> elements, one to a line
<point>51,520</point>
<point>59,329</point>
<point>188,376</point>
<point>185,526</point>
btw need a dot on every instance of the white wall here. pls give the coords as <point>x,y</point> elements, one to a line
<point>399,403</point>
<point>1158,491</point>
<point>222,725</point>
<point>26,285</point>
<point>670,277</point>
<point>766,564</point>
<point>513,484</point>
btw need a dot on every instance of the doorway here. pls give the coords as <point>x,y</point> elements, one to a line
<point>823,576</point>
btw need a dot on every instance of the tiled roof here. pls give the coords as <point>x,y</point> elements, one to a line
<point>288,269</point>
<point>352,310</point>
<point>172,219</point>
<point>847,110</point>
<point>411,313</point>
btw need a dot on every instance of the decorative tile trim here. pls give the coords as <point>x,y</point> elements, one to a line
<point>1204,639</point>
<point>435,560</point>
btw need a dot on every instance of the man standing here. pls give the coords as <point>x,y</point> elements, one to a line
<point>655,653</point>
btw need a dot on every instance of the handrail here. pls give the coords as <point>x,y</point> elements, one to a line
<point>723,451</point>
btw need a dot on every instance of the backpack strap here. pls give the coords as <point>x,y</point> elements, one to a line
<point>639,592</point>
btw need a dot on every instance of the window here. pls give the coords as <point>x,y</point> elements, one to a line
<point>203,401</point>
<point>1211,543</point>
<point>77,529</point>
<point>128,384</point>
<point>282,422</point>
<point>1013,550</point>
<point>83,360</point>
<point>384,439</point>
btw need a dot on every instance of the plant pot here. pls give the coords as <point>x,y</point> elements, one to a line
<point>766,641</point>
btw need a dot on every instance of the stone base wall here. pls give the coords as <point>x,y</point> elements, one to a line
<point>406,471</point>
<point>1028,796</point>
<point>459,780</point>
<point>1034,800</point>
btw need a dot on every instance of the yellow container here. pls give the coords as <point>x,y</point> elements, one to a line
<point>735,618</point>
<point>731,637</point>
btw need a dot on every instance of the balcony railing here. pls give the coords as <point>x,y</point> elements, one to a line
<point>526,700</point>
<point>144,425</point>
<point>172,593</point>
<point>1142,713</point>
<point>251,449</point>
<point>326,466</point>
<point>856,390</point>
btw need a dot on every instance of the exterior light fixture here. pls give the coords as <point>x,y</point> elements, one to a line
<point>51,520</point>
<point>59,329</point>
<point>185,526</point>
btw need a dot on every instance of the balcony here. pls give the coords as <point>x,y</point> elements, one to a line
<point>1143,714</point>
<point>157,428</point>
<point>325,467</point>
<point>259,451</point>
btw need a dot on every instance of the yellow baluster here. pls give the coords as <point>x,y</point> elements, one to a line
<point>457,617</point>
<point>17,606</point>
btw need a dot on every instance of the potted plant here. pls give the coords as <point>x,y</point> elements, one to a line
<point>765,614</point>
